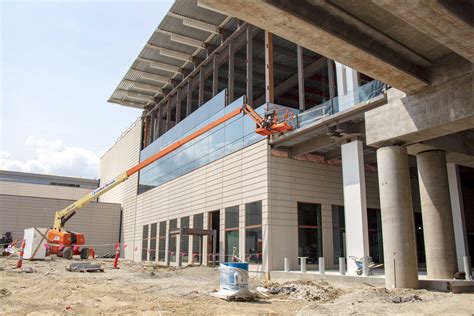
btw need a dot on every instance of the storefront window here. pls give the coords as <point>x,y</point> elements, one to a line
<point>145,243</point>
<point>198,223</point>
<point>338,232</point>
<point>231,233</point>
<point>309,231</point>
<point>153,232</point>
<point>253,232</point>
<point>162,242</point>
<point>185,240</point>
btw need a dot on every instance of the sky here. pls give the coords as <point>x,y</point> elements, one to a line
<point>60,62</point>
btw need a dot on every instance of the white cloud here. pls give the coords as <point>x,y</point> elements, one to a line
<point>54,157</point>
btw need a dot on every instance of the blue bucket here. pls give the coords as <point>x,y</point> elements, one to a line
<point>234,276</point>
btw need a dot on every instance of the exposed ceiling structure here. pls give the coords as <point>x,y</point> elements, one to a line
<point>184,40</point>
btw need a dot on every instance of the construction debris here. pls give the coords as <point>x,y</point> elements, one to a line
<point>85,267</point>
<point>302,290</point>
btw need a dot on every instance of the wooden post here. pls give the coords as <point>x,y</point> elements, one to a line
<point>269,89</point>
<point>299,53</point>
<point>249,66</point>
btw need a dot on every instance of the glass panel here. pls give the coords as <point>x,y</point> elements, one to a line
<point>162,229</point>
<point>309,244</point>
<point>153,230</point>
<point>338,232</point>
<point>198,222</point>
<point>153,249</point>
<point>340,103</point>
<point>162,249</point>
<point>232,217</point>
<point>375,235</point>
<point>231,244</point>
<point>309,214</point>
<point>185,240</point>
<point>253,213</point>
<point>253,245</point>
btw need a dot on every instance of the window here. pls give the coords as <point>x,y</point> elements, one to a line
<point>338,232</point>
<point>145,243</point>
<point>309,231</point>
<point>172,242</point>
<point>253,232</point>
<point>374,224</point>
<point>185,240</point>
<point>153,242</point>
<point>231,232</point>
<point>162,242</point>
<point>198,223</point>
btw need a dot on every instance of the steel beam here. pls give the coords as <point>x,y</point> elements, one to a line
<point>215,75</point>
<point>230,85</point>
<point>269,89</point>
<point>249,80</point>
<point>197,24</point>
<point>299,53</point>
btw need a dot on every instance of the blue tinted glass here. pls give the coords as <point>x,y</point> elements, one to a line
<point>233,131</point>
<point>212,145</point>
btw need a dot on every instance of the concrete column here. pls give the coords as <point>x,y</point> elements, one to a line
<point>348,80</point>
<point>457,206</point>
<point>438,230</point>
<point>401,267</point>
<point>355,202</point>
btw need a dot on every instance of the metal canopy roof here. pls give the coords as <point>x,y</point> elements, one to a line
<point>179,44</point>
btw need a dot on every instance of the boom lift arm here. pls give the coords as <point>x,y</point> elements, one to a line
<point>265,126</point>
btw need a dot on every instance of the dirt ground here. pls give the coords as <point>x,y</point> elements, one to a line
<point>146,289</point>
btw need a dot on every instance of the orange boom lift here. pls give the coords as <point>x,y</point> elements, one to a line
<point>66,243</point>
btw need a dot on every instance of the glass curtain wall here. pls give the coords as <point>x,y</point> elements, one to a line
<point>253,232</point>
<point>231,232</point>
<point>224,139</point>
<point>309,232</point>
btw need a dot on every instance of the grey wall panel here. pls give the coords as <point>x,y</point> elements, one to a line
<point>98,221</point>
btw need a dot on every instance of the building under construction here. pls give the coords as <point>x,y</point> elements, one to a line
<point>379,162</point>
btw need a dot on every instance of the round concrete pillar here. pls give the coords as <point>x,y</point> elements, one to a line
<point>438,230</point>
<point>400,263</point>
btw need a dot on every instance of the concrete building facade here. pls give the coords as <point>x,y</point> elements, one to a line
<point>31,200</point>
<point>370,169</point>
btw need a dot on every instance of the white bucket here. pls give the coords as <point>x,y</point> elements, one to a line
<point>234,276</point>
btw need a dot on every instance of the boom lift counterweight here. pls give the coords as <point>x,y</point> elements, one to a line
<point>65,243</point>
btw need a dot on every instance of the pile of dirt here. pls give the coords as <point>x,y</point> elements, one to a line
<point>303,290</point>
<point>382,295</point>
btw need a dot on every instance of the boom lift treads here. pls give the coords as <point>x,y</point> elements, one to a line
<point>66,243</point>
